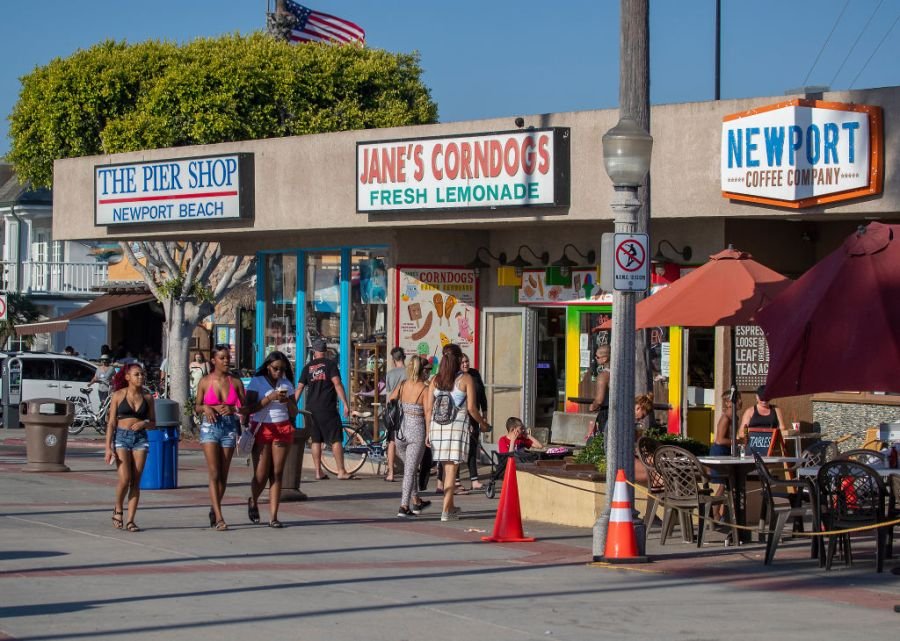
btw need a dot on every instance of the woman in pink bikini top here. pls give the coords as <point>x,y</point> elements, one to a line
<point>219,399</point>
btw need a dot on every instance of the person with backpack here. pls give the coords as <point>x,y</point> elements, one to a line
<point>450,401</point>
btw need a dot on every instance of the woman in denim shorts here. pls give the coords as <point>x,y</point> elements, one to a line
<point>131,414</point>
<point>219,399</point>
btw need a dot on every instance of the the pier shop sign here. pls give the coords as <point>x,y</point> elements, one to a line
<point>187,190</point>
<point>802,153</point>
<point>521,168</point>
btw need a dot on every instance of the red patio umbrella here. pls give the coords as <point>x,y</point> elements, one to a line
<point>838,326</point>
<point>726,291</point>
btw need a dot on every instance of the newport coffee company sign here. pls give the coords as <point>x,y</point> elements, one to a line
<point>802,153</point>
<point>175,190</point>
<point>521,168</point>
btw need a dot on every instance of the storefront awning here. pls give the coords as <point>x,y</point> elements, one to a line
<point>104,303</point>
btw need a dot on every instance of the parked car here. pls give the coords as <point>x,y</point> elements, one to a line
<point>51,375</point>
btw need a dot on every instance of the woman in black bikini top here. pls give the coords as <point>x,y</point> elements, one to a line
<point>126,439</point>
<point>124,410</point>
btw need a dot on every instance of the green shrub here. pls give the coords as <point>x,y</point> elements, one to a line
<point>593,453</point>
<point>693,446</point>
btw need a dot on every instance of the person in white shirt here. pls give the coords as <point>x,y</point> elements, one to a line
<point>270,401</point>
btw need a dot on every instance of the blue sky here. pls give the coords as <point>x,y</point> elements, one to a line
<point>494,58</point>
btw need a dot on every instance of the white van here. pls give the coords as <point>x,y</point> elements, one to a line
<point>50,375</point>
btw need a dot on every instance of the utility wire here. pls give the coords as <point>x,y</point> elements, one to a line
<point>825,44</point>
<point>856,42</point>
<point>894,24</point>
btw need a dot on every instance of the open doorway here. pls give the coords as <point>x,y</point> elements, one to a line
<point>551,364</point>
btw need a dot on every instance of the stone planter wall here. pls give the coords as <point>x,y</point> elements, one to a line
<point>840,419</point>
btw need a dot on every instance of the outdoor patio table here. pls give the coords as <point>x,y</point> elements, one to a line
<point>737,469</point>
<point>797,439</point>
<point>813,470</point>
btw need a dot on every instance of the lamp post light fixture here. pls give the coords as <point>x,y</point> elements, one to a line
<point>520,263</point>
<point>659,259</point>
<point>626,157</point>
<point>477,264</point>
<point>566,264</point>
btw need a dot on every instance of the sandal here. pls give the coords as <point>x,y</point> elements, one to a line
<point>212,517</point>
<point>117,520</point>
<point>252,510</point>
<point>132,527</point>
<point>275,523</point>
<point>221,526</point>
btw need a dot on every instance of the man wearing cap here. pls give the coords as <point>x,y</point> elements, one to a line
<point>321,378</point>
<point>102,376</point>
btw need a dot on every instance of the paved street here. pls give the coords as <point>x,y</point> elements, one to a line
<point>345,568</point>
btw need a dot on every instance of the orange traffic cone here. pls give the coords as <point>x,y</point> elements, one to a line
<point>621,543</point>
<point>508,524</point>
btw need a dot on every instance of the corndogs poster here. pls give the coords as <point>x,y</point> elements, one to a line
<point>437,306</point>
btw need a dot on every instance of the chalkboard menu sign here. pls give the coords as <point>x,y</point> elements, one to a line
<point>751,357</point>
<point>765,441</point>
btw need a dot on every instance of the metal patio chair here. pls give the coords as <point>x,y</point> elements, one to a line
<point>850,495</point>
<point>686,488</point>
<point>781,505</point>
<point>819,453</point>
<point>646,447</point>
<point>869,457</point>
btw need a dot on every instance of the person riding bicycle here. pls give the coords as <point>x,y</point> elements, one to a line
<point>103,376</point>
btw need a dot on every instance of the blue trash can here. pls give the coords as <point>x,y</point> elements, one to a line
<point>161,469</point>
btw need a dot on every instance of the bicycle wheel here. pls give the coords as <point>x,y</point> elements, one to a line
<point>356,451</point>
<point>79,423</point>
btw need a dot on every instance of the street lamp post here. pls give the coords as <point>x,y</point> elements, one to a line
<point>626,157</point>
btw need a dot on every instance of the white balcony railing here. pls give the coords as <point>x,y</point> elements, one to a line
<point>45,277</point>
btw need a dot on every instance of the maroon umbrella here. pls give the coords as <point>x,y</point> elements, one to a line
<point>838,326</point>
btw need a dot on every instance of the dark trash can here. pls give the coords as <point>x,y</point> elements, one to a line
<point>161,469</point>
<point>47,422</point>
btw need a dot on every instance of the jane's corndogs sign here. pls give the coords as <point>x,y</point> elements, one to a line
<point>802,153</point>
<point>521,168</point>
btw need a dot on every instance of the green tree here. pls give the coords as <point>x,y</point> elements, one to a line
<point>117,97</point>
<point>20,310</point>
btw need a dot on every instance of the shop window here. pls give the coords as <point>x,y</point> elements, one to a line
<point>280,300</point>
<point>323,303</point>
<point>368,328</point>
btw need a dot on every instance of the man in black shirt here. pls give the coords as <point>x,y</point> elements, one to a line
<point>322,380</point>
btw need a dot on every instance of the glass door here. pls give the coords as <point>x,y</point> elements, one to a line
<point>508,364</point>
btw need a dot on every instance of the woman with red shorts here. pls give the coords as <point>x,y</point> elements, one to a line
<point>273,411</point>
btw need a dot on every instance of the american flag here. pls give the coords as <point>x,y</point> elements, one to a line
<point>314,26</point>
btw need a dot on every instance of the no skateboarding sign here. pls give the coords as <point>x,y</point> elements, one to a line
<point>3,307</point>
<point>625,266</point>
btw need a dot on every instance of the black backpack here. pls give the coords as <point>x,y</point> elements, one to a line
<point>393,413</point>
<point>444,410</point>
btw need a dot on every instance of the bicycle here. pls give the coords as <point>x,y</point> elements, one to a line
<point>85,414</point>
<point>359,447</point>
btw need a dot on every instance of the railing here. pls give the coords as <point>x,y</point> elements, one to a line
<point>53,277</point>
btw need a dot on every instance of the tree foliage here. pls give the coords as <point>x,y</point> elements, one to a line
<point>117,97</point>
<point>20,310</point>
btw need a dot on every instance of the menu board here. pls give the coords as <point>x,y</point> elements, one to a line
<point>437,306</point>
<point>751,357</point>
<point>584,288</point>
<point>765,441</point>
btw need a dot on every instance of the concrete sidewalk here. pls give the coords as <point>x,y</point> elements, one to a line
<point>346,568</point>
